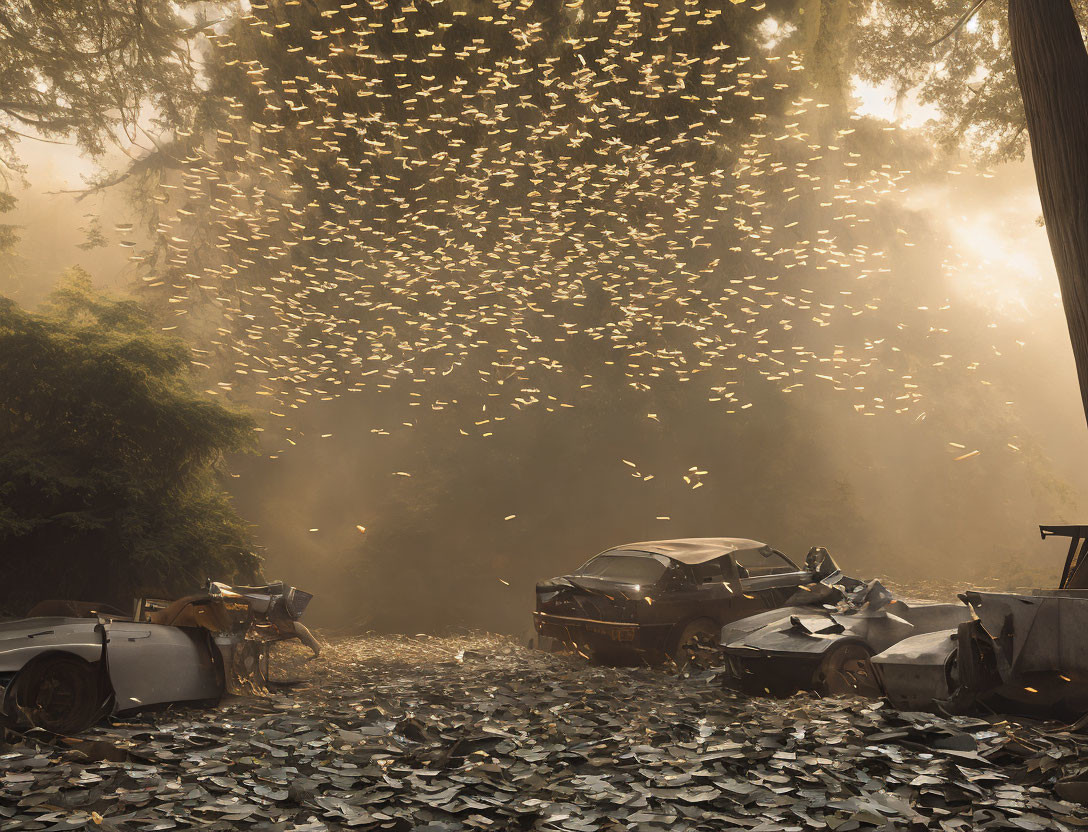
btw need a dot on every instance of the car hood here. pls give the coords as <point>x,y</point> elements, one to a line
<point>809,630</point>
<point>740,629</point>
<point>788,630</point>
<point>23,627</point>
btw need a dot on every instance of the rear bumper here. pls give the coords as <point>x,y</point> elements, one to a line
<point>611,636</point>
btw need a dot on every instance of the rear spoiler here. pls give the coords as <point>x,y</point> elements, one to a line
<point>1078,548</point>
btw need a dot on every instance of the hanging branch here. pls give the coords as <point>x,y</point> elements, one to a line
<point>959,24</point>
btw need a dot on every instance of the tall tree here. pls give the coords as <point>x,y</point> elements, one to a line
<point>1052,70</point>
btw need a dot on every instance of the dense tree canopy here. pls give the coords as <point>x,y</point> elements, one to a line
<point>961,65</point>
<point>108,459</point>
<point>81,69</point>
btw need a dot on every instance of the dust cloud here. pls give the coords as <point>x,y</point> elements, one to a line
<point>399,522</point>
<point>887,494</point>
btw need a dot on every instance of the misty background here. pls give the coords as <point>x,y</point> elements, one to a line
<point>398,521</point>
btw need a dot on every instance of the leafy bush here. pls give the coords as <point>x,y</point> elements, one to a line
<point>109,460</point>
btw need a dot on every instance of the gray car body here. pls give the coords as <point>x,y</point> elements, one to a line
<point>815,631</point>
<point>1022,652</point>
<point>144,664</point>
<point>781,649</point>
<point>1039,656</point>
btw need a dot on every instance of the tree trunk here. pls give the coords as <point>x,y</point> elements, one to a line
<point>1052,69</point>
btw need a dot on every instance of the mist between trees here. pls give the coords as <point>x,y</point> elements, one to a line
<point>503,284</point>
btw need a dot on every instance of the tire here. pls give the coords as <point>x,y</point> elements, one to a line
<point>846,670</point>
<point>704,628</point>
<point>62,694</point>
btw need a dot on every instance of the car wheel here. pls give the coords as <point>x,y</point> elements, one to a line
<point>62,694</point>
<point>846,670</point>
<point>699,630</point>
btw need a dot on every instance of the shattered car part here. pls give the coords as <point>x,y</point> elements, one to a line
<point>827,647</point>
<point>1019,653</point>
<point>649,600</point>
<point>63,673</point>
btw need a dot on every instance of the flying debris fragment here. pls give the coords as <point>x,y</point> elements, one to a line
<point>394,198</point>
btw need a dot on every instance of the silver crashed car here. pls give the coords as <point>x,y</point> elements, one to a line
<point>825,637</point>
<point>71,663</point>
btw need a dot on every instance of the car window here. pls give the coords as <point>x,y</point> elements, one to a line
<point>626,567</point>
<point>708,573</point>
<point>759,562</point>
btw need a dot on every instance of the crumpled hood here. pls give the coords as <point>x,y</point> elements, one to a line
<point>806,630</point>
<point>791,630</point>
<point>737,630</point>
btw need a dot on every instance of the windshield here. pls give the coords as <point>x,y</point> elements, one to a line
<point>755,563</point>
<point>626,567</point>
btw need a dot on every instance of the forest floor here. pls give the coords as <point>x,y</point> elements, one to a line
<point>476,732</point>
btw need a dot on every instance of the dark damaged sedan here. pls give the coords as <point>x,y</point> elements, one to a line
<point>649,600</point>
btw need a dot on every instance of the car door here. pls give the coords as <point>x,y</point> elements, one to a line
<point>150,664</point>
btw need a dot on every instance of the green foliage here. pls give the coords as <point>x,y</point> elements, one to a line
<point>85,68</point>
<point>968,76</point>
<point>93,236</point>
<point>108,458</point>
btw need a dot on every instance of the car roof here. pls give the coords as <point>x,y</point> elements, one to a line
<point>691,550</point>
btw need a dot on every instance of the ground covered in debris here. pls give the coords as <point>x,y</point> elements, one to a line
<point>475,732</point>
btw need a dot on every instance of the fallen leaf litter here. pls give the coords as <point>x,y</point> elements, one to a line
<point>476,732</point>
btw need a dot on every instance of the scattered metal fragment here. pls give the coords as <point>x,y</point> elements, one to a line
<point>523,739</point>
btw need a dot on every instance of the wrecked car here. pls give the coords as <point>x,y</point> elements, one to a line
<point>824,639</point>
<point>648,600</point>
<point>1015,653</point>
<point>70,663</point>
